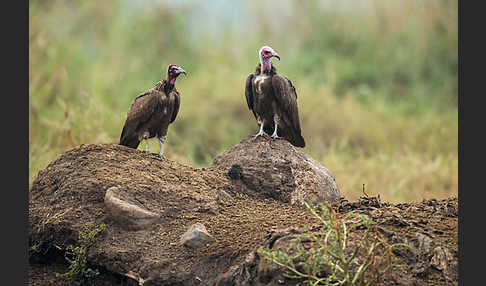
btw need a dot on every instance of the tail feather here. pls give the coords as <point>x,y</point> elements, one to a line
<point>298,141</point>
<point>291,135</point>
<point>129,141</point>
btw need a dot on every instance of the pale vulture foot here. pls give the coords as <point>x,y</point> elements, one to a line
<point>161,142</point>
<point>274,135</point>
<point>260,133</point>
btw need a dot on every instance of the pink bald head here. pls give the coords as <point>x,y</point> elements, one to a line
<point>266,53</point>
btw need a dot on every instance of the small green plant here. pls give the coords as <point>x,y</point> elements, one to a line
<point>79,273</point>
<point>329,257</point>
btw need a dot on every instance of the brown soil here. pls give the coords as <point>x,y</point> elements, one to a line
<point>68,196</point>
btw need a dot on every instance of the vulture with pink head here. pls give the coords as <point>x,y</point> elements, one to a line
<point>151,112</point>
<point>273,100</point>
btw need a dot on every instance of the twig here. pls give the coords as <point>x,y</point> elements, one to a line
<point>364,191</point>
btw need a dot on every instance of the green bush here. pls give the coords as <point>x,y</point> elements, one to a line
<point>79,273</point>
<point>330,257</point>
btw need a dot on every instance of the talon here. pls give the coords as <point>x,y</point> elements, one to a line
<point>274,134</point>
<point>258,134</point>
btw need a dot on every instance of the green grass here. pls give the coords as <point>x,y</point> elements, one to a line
<point>377,90</point>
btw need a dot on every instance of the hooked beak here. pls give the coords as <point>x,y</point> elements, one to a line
<point>180,70</point>
<point>276,55</point>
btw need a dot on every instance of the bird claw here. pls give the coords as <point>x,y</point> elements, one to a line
<point>258,134</point>
<point>275,136</point>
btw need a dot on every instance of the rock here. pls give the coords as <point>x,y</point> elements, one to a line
<point>128,215</point>
<point>444,261</point>
<point>424,242</point>
<point>441,258</point>
<point>276,169</point>
<point>196,236</point>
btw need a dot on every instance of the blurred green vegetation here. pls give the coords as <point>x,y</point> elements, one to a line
<point>377,81</point>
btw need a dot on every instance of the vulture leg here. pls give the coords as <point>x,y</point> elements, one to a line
<point>145,137</point>
<point>161,142</point>
<point>260,133</point>
<point>276,119</point>
<point>274,135</point>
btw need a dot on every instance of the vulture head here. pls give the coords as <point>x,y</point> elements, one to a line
<point>265,54</point>
<point>173,71</point>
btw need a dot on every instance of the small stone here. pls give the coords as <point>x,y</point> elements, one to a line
<point>424,242</point>
<point>196,236</point>
<point>441,258</point>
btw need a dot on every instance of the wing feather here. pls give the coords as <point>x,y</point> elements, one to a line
<point>286,97</point>
<point>249,93</point>
<point>177,102</point>
<point>141,110</point>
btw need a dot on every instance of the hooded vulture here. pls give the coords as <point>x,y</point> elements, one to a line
<point>273,100</point>
<point>152,111</point>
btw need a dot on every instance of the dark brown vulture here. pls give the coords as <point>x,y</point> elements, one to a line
<point>273,100</point>
<point>152,111</point>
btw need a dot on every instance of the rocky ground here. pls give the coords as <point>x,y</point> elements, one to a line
<point>247,198</point>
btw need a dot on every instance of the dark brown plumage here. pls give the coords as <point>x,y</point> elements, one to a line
<point>273,101</point>
<point>152,111</point>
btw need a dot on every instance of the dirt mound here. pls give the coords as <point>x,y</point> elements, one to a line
<point>276,169</point>
<point>68,197</point>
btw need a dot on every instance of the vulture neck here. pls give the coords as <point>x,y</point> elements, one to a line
<point>167,86</point>
<point>260,69</point>
<point>266,66</point>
